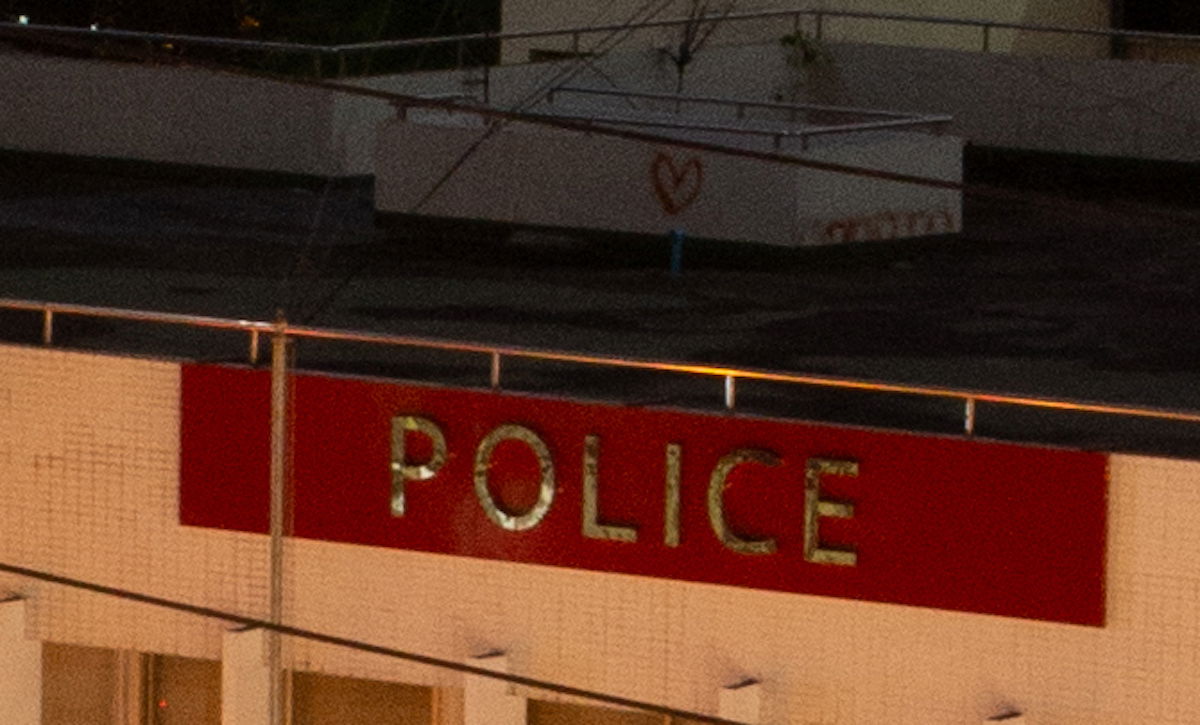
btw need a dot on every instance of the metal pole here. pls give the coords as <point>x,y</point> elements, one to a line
<point>47,326</point>
<point>254,347</point>
<point>969,416</point>
<point>495,374</point>
<point>987,38</point>
<point>279,431</point>
<point>730,392</point>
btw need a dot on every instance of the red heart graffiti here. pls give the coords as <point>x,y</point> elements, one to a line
<point>676,186</point>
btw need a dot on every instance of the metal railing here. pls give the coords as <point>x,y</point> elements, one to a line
<point>740,106</point>
<point>730,377</point>
<point>777,135</point>
<point>819,19</point>
<point>893,120</point>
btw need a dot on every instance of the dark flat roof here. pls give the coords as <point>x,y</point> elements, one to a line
<point>1030,301</point>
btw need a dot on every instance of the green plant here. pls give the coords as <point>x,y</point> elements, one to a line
<point>803,50</point>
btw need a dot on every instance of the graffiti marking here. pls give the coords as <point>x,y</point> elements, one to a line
<point>890,225</point>
<point>676,186</point>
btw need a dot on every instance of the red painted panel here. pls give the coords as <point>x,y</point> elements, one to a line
<point>938,522</point>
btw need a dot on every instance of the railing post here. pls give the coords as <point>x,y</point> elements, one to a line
<point>730,392</point>
<point>276,707</point>
<point>47,326</point>
<point>820,26</point>
<point>987,37</point>
<point>254,347</point>
<point>969,416</point>
<point>575,42</point>
<point>494,377</point>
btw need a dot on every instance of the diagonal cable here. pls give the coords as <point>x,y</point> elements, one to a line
<point>359,645</point>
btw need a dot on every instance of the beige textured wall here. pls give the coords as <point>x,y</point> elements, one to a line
<point>560,713</point>
<point>183,691</point>
<point>88,457</point>
<point>323,700</point>
<point>79,685</point>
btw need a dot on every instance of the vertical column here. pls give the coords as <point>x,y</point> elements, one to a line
<point>447,706</point>
<point>487,701</point>
<point>278,519</point>
<point>130,693</point>
<point>245,678</point>
<point>20,668</point>
<point>740,702</point>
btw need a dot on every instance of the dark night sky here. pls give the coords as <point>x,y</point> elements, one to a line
<point>1172,16</point>
<point>302,20</point>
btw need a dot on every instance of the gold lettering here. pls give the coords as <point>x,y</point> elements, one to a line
<point>816,507</point>
<point>592,528</point>
<point>483,462</point>
<point>402,470</point>
<point>716,500</point>
<point>671,504</point>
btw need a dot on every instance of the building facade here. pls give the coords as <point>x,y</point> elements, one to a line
<point>110,466</point>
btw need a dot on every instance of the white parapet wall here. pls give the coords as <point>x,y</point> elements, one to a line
<point>531,15</point>
<point>89,457</point>
<point>192,116</point>
<point>1070,101</point>
<point>179,115</point>
<point>527,175</point>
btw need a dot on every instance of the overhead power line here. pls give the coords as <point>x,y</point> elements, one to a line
<point>359,645</point>
<point>601,48</point>
<point>1083,209</point>
<point>598,128</point>
<point>1034,198</point>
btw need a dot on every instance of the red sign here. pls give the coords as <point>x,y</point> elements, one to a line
<point>921,520</point>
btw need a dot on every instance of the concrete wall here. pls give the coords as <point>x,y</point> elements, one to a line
<point>534,15</point>
<point>89,459</point>
<point>1074,14</point>
<point>535,176</point>
<point>1110,108</point>
<point>168,114</point>
<point>1086,106</point>
<point>1020,99</point>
